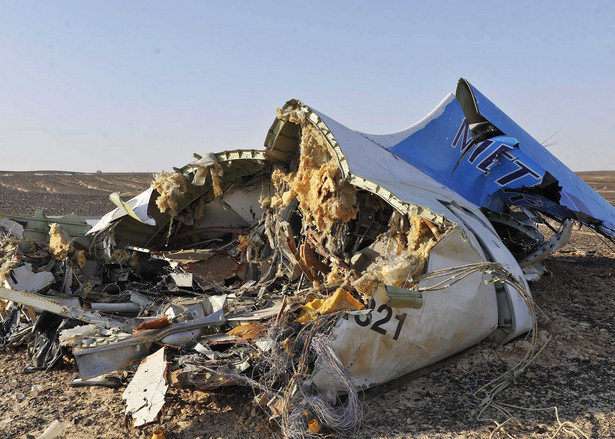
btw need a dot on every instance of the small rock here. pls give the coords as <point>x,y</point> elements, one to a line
<point>36,390</point>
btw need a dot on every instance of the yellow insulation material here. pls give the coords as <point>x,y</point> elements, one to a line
<point>216,174</point>
<point>59,242</point>
<point>366,285</point>
<point>422,231</point>
<point>405,258</point>
<point>171,188</point>
<point>340,300</point>
<point>296,116</point>
<point>80,258</point>
<point>208,165</point>
<point>244,242</point>
<point>323,198</point>
<point>334,275</point>
<point>6,267</point>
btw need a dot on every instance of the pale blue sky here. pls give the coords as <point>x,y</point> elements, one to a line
<point>141,85</point>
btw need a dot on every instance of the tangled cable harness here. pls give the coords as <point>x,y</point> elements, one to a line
<point>285,372</point>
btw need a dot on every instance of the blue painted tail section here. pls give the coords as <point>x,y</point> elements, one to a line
<point>500,165</point>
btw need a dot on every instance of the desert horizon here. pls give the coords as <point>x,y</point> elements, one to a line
<point>81,193</point>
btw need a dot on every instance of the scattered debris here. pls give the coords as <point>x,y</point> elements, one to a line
<point>110,381</point>
<point>11,227</point>
<point>331,262</point>
<point>24,279</point>
<point>145,394</point>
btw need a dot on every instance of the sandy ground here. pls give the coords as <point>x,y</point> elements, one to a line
<point>61,193</point>
<point>575,372</point>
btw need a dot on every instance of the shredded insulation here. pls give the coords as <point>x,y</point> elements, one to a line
<point>171,188</point>
<point>209,165</point>
<point>293,115</point>
<point>6,268</point>
<point>324,198</point>
<point>59,242</point>
<point>407,245</point>
<point>216,174</point>
<point>334,276</point>
<point>80,258</point>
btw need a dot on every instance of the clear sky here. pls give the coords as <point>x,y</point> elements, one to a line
<point>141,85</point>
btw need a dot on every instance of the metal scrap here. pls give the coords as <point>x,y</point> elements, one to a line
<point>144,395</point>
<point>330,262</point>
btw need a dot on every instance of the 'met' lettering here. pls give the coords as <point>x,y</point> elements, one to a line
<point>462,139</point>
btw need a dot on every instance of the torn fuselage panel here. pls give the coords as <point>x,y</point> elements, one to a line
<point>579,200</point>
<point>151,231</point>
<point>418,199</point>
<point>390,341</point>
<point>329,204</point>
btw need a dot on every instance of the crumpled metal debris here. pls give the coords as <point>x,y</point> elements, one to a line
<point>145,394</point>
<point>45,351</point>
<point>332,261</point>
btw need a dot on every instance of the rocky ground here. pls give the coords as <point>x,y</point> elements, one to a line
<point>61,193</point>
<point>575,372</point>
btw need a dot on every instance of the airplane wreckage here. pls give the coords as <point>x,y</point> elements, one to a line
<point>330,262</point>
